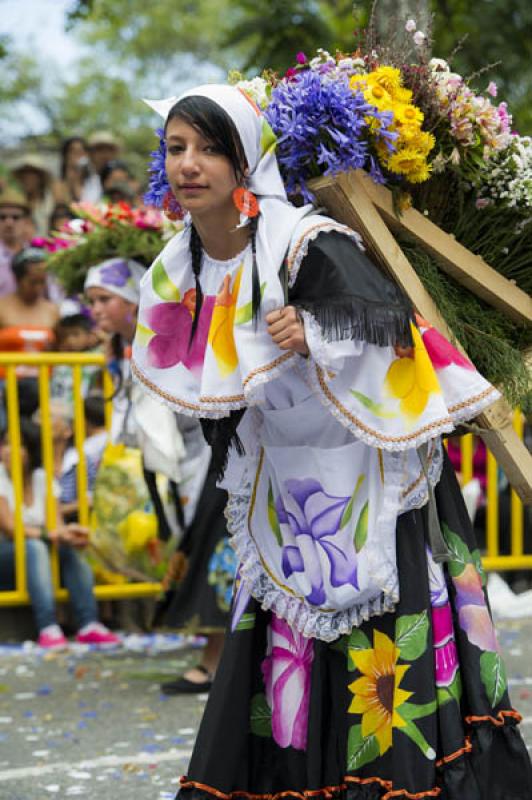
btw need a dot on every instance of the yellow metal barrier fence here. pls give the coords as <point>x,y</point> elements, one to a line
<point>43,363</point>
<point>493,559</point>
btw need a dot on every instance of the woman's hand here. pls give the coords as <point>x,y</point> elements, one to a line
<point>287,330</point>
<point>73,534</point>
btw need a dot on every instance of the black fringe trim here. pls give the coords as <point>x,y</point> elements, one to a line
<point>353,318</point>
<point>221,434</point>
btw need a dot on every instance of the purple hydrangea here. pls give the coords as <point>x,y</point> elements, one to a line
<point>159,185</point>
<point>322,128</point>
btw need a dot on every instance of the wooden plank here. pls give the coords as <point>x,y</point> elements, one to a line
<point>456,260</point>
<point>346,200</point>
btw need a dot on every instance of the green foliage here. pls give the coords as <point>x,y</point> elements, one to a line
<point>71,265</point>
<point>493,342</point>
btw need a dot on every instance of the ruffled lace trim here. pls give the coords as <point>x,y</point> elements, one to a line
<point>316,379</point>
<point>416,494</point>
<point>307,620</point>
<point>300,249</point>
<point>315,341</point>
<point>221,409</point>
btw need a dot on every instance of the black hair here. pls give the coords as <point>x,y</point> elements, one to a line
<point>75,321</point>
<point>30,438</point>
<point>22,261</point>
<point>60,210</point>
<point>215,125</point>
<point>65,147</point>
<point>109,166</point>
<point>94,406</point>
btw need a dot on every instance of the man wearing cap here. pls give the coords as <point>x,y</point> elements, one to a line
<point>14,211</point>
<point>103,147</point>
<point>40,188</point>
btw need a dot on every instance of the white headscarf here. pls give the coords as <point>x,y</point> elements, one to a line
<point>211,394</point>
<point>120,276</point>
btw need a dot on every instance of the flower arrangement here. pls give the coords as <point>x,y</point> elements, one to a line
<point>104,231</point>
<point>421,130</point>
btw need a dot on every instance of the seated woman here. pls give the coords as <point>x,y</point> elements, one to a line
<point>75,572</point>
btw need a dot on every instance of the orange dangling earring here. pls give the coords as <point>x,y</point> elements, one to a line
<point>246,202</point>
<point>171,207</point>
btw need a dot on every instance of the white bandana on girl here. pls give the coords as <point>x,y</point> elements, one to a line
<point>229,357</point>
<point>120,276</point>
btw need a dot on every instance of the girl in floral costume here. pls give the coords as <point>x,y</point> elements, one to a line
<point>361,659</point>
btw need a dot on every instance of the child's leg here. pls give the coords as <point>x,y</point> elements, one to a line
<point>77,578</point>
<point>39,577</point>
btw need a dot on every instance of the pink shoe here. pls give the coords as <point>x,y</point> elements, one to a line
<point>96,633</point>
<point>52,641</point>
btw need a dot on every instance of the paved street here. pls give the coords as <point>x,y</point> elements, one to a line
<point>95,725</point>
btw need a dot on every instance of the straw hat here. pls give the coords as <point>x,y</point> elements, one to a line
<point>14,199</point>
<point>103,138</point>
<point>31,161</point>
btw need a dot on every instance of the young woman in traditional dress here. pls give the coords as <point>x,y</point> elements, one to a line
<point>362,660</point>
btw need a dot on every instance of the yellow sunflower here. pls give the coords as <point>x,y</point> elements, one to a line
<point>387,77</point>
<point>411,378</point>
<point>377,695</point>
<point>407,114</point>
<point>406,161</point>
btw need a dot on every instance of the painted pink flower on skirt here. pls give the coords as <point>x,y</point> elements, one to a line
<point>473,614</point>
<point>287,672</point>
<point>445,653</point>
<point>172,324</point>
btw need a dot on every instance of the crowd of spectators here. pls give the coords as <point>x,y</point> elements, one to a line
<point>35,316</point>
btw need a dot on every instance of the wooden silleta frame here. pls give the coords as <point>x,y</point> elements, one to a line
<point>355,200</point>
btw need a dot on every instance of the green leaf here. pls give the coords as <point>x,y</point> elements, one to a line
<point>261,716</point>
<point>163,285</point>
<point>272,516</point>
<point>377,409</point>
<point>247,622</point>
<point>268,139</point>
<point>410,711</point>
<point>361,749</point>
<point>412,731</point>
<point>445,694</point>
<point>245,312</point>
<point>348,510</point>
<point>361,532</point>
<point>411,635</point>
<point>143,334</point>
<point>493,675</point>
<point>460,555</point>
<point>477,561</point>
<point>357,641</point>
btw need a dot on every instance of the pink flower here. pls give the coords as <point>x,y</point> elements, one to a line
<point>441,352</point>
<point>172,325</point>
<point>492,89</point>
<point>287,672</point>
<point>301,58</point>
<point>445,654</point>
<point>482,202</point>
<point>410,25</point>
<point>473,613</point>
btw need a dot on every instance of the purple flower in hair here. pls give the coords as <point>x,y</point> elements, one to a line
<point>117,273</point>
<point>159,185</point>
